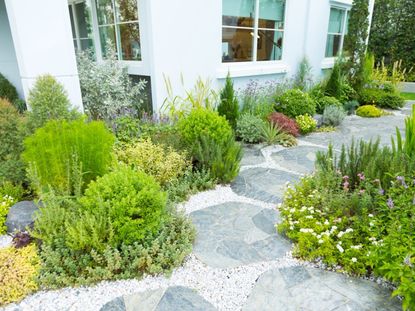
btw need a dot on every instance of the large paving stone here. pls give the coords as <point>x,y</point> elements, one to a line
<point>303,288</point>
<point>300,159</point>
<point>263,184</point>
<point>21,216</point>
<point>172,298</point>
<point>233,234</point>
<point>252,155</point>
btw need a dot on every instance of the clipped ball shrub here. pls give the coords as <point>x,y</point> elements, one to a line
<point>369,111</point>
<point>132,200</point>
<point>18,272</point>
<point>391,101</point>
<point>248,128</point>
<point>63,154</point>
<point>164,164</point>
<point>294,103</point>
<point>11,144</point>
<point>7,90</point>
<point>284,123</point>
<point>306,123</point>
<point>326,101</point>
<point>333,115</point>
<point>48,100</point>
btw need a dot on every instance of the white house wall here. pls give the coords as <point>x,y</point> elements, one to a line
<point>42,37</point>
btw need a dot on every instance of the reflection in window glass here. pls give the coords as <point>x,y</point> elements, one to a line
<point>118,22</point>
<point>336,32</point>
<point>242,25</point>
<point>81,26</point>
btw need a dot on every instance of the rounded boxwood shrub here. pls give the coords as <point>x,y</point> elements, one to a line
<point>248,128</point>
<point>392,101</point>
<point>133,200</point>
<point>369,111</point>
<point>294,103</point>
<point>284,123</point>
<point>7,90</point>
<point>202,121</point>
<point>326,101</point>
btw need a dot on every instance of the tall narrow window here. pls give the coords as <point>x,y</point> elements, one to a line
<point>118,24</point>
<point>336,32</point>
<point>252,30</point>
<point>79,14</point>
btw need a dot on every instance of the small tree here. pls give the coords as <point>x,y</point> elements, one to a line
<point>228,106</point>
<point>334,85</point>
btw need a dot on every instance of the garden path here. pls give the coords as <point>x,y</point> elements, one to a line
<point>239,262</point>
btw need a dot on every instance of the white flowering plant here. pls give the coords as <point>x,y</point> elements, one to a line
<point>6,202</point>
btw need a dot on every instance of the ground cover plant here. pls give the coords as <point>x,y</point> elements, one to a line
<point>351,212</point>
<point>408,96</point>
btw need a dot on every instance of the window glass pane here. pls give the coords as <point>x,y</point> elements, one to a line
<point>87,44</point>
<point>127,10</point>
<point>130,41</point>
<point>269,45</point>
<point>238,13</point>
<point>271,14</point>
<point>333,45</point>
<point>237,45</point>
<point>82,17</point>
<point>72,22</point>
<point>105,12</point>
<point>336,21</point>
<point>107,35</point>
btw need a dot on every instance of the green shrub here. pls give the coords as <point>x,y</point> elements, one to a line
<point>347,92</point>
<point>326,101</point>
<point>63,153</point>
<point>369,111</point>
<point>164,164</point>
<point>48,100</point>
<point>127,129</point>
<point>350,106</point>
<point>273,134</point>
<point>371,96</point>
<point>221,159</point>
<point>228,105</point>
<point>391,101</point>
<point>11,144</point>
<point>333,115</point>
<point>132,200</point>
<point>306,123</point>
<point>6,201</point>
<point>303,78</point>
<point>205,122</point>
<point>248,128</point>
<point>334,84</point>
<point>294,103</point>
<point>18,271</point>
<point>7,90</point>
<point>406,147</point>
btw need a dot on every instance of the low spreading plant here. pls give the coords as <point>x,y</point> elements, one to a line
<point>6,202</point>
<point>272,134</point>
<point>391,101</point>
<point>306,123</point>
<point>333,115</point>
<point>369,111</point>
<point>248,128</point>
<point>351,106</point>
<point>294,103</point>
<point>285,123</point>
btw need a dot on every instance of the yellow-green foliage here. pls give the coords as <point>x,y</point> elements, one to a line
<point>163,164</point>
<point>18,271</point>
<point>5,203</point>
<point>306,123</point>
<point>369,111</point>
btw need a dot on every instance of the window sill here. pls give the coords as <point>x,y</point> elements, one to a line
<point>251,69</point>
<point>343,3</point>
<point>328,62</point>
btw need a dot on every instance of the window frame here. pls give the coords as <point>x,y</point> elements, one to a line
<point>255,37</point>
<point>72,7</point>
<point>343,34</point>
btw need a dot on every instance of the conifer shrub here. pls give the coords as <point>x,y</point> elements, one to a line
<point>228,105</point>
<point>334,84</point>
<point>285,123</point>
<point>294,103</point>
<point>62,152</point>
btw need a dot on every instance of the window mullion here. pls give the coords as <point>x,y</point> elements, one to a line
<point>116,30</point>
<point>75,21</point>
<point>343,32</point>
<point>95,30</point>
<point>255,45</point>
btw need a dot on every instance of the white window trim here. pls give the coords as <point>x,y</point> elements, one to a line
<point>255,67</point>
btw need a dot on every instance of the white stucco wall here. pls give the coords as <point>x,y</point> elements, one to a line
<point>8,61</point>
<point>42,38</point>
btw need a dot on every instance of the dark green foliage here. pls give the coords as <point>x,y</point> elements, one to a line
<point>391,101</point>
<point>381,98</point>
<point>294,103</point>
<point>48,100</point>
<point>326,101</point>
<point>221,159</point>
<point>350,106</point>
<point>228,105</point>
<point>333,115</point>
<point>131,200</point>
<point>333,86</point>
<point>371,96</point>
<point>11,144</point>
<point>7,90</point>
<point>62,152</point>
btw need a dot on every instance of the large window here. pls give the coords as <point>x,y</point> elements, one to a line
<point>118,24</point>
<point>81,25</point>
<point>252,30</point>
<point>336,32</point>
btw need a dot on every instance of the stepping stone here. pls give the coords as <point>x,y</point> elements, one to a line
<point>21,216</point>
<point>172,298</point>
<point>304,288</point>
<point>298,159</point>
<point>263,184</point>
<point>233,234</point>
<point>252,155</point>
